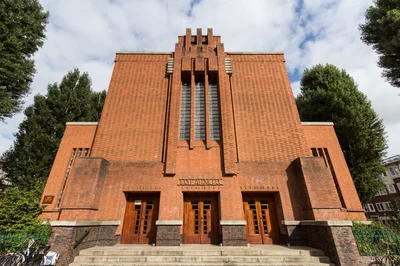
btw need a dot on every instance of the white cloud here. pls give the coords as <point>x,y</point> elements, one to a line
<point>86,35</point>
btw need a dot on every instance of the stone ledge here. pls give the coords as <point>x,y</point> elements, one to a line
<point>232,222</point>
<point>83,223</point>
<point>332,223</point>
<point>287,222</point>
<point>317,123</point>
<point>82,123</point>
<point>169,222</point>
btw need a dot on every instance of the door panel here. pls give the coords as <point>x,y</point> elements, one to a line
<point>261,227</point>
<point>200,219</point>
<point>140,219</point>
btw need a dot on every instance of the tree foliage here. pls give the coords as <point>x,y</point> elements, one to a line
<point>330,94</point>
<point>396,211</point>
<point>19,208</point>
<point>29,161</point>
<point>382,31</point>
<point>22,26</point>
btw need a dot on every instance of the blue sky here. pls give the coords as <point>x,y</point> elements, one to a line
<point>86,35</point>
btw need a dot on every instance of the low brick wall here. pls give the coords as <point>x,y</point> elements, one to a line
<point>168,235</point>
<point>335,238</point>
<point>234,235</point>
<point>64,238</point>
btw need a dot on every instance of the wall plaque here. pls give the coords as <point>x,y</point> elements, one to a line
<point>48,199</point>
<point>203,182</point>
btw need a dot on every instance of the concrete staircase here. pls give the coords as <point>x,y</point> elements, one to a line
<point>200,255</point>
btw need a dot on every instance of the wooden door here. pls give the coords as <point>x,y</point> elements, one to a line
<point>261,227</point>
<point>140,219</point>
<point>200,219</point>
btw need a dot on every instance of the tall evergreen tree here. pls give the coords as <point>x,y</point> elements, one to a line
<point>382,31</point>
<point>328,94</point>
<point>22,26</point>
<point>30,159</point>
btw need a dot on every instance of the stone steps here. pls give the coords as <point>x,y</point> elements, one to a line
<point>200,255</point>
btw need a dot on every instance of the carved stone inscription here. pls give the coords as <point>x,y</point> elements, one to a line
<point>200,182</point>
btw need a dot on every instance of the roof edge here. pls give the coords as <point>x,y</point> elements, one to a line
<point>232,53</point>
<point>132,52</point>
<point>81,123</point>
<point>255,53</point>
<point>317,124</point>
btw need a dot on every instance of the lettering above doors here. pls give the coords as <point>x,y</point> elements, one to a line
<point>200,182</point>
<point>259,187</point>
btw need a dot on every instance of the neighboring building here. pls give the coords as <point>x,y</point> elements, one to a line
<point>200,146</point>
<point>380,206</point>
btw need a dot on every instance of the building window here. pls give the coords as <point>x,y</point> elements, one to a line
<point>215,128</point>
<point>197,101</point>
<point>185,112</point>
<point>394,171</point>
<point>384,173</point>
<point>388,206</point>
<point>391,189</point>
<point>323,152</point>
<point>382,192</point>
<point>199,113</point>
<point>371,207</point>
<point>398,186</point>
<point>380,207</point>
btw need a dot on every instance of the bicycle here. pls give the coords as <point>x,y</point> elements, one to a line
<point>388,259</point>
<point>33,252</point>
<point>6,258</point>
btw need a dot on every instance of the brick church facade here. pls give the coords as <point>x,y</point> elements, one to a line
<point>199,145</point>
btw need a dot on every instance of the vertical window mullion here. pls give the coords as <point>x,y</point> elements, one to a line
<point>215,128</point>
<point>200,117</point>
<point>185,112</point>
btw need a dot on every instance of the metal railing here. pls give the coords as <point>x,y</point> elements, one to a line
<point>13,238</point>
<point>377,241</point>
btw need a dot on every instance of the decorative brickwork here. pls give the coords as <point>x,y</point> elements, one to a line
<point>168,235</point>
<point>234,235</point>
<point>63,240</point>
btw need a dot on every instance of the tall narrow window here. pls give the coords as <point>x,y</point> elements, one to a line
<point>215,129</point>
<point>185,112</point>
<point>199,113</point>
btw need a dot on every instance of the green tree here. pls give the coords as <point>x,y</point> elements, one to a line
<point>19,208</point>
<point>330,94</point>
<point>382,31</point>
<point>396,211</point>
<point>22,26</point>
<point>29,161</point>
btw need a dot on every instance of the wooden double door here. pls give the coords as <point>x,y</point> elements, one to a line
<point>200,221</point>
<point>261,226</point>
<point>140,219</point>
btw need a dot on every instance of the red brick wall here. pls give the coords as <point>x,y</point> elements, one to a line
<point>131,127</point>
<point>267,122</point>
<point>325,137</point>
<point>75,136</point>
